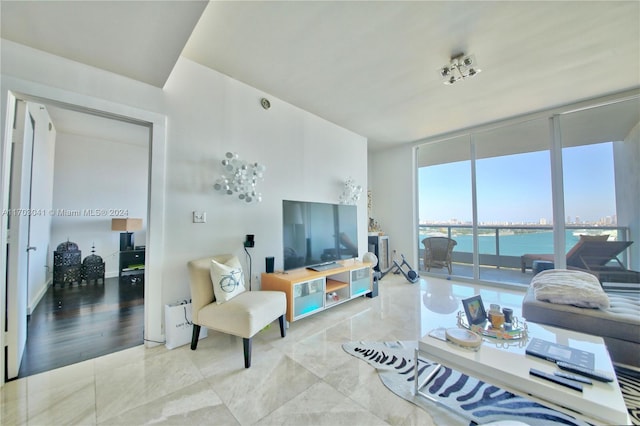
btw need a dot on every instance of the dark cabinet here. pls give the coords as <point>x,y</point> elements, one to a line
<point>379,245</point>
<point>132,265</point>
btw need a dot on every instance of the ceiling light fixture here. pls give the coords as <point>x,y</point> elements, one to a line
<point>461,67</point>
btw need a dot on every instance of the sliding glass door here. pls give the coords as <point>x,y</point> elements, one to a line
<point>600,180</point>
<point>517,197</point>
<point>514,203</point>
<point>445,202</point>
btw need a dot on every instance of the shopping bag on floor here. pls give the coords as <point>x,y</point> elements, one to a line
<point>178,324</point>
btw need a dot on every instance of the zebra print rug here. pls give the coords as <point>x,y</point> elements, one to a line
<point>472,399</point>
<point>629,381</point>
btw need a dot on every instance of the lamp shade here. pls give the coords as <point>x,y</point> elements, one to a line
<point>126,225</point>
<point>370,258</point>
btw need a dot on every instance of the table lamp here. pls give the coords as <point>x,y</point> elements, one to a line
<point>127,225</point>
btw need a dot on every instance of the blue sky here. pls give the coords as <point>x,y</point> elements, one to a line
<point>517,188</point>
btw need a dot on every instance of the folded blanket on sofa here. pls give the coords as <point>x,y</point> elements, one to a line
<point>569,287</point>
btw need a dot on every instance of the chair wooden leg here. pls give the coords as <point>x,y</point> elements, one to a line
<point>283,329</point>
<point>195,336</point>
<point>246,343</point>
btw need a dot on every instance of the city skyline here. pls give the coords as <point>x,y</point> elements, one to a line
<point>603,221</point>
<point>524,188</point>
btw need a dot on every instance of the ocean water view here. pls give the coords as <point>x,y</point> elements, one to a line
<point>511,244</point>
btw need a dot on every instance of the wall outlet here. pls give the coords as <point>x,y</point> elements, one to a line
<point>199,217</point>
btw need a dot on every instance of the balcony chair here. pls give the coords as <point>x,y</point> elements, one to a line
<point>526,260</point>
<point>600,258</point>
<point>437,252</point>
<point>244,315</point>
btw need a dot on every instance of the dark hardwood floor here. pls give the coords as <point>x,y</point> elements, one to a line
<point>81,322</point>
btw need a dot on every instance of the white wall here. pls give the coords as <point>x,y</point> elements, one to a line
<point>627,175</point>
<point>98,174</point>
<point>307,158</point>
<point>394,203</point>
<point>207,114</point>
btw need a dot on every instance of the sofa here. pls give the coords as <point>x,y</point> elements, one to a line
<point>617,320</point>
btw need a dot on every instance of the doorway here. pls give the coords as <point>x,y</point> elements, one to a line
<point>155,131</point>
<point>100,173</point>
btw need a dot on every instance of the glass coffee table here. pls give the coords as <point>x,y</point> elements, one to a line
<point>505,364</point>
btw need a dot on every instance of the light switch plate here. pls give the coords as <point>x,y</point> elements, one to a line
<point>199,217</point>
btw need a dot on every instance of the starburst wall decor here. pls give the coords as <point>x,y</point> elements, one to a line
<point>240,178</point>
<point>351,192</point>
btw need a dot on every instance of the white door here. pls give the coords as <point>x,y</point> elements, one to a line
<point>18,238</point>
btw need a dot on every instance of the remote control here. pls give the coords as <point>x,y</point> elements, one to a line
<point>556,379</point>
<point>573,377</point>
<point>602,377</point>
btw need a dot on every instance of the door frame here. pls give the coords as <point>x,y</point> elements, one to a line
<point>14,88</point>
<point>17,254</point>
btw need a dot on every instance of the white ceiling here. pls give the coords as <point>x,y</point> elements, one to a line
<point>370,67</point>
<point>138,39</point>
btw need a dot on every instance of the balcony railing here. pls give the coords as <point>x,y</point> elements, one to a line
<point>502,246</point>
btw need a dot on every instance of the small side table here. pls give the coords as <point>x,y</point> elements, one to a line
<point>132,264</point>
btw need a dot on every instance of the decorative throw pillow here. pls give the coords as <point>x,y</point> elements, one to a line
<point>227,278</point>
<point>569,287</point>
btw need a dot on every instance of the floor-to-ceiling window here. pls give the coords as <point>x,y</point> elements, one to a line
<point>517,193</point>
<point>597,176</point>
<point>445,206</point>
<point>589,191</point>
<point>513,193</point>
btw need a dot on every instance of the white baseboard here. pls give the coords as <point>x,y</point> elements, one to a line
<point>33,303</point>
<point>152,343</point>
<point>113,274</point>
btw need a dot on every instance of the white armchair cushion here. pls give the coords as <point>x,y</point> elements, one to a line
<point>245,314</point>
<point>227,279</point>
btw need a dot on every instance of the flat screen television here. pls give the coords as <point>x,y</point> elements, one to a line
<point>314,233</point>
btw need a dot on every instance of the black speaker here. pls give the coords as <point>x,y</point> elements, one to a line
<point>374,290</point>
<point>269,264</point>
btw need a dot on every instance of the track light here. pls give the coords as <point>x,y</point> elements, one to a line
<point>461,66</point>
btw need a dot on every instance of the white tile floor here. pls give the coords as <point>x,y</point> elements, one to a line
<point>303,379</point>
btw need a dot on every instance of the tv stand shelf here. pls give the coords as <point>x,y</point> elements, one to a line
<point>332,285</point>
<point>307,291</point>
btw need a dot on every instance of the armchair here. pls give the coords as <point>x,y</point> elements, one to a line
<point>244,315</point>
<point>437,252</point>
